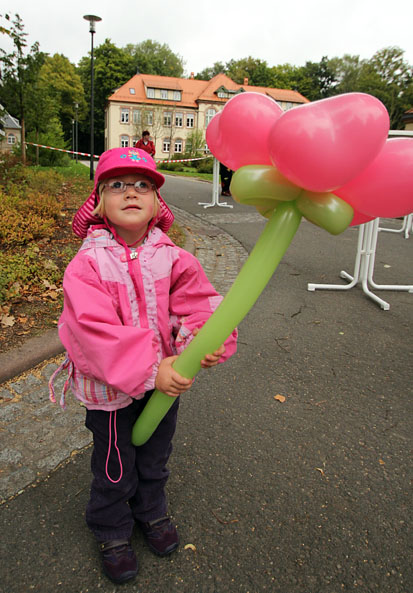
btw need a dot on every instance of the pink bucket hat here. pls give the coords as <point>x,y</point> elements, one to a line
<point>113,163</point>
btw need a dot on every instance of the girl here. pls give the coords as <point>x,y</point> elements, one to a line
<point>132,301</point>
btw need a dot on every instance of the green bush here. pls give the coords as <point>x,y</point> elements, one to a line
<point>53,136</point>
<point>11,170</point>
<point>26,215</point>
<point>205,166</point>
<point>24,269</point>
<point>44,180</point>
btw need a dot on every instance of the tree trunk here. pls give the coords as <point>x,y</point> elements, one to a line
<point>23,142</point>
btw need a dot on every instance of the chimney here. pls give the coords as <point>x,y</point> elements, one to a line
<point>192,76</point>
<point>245,81</point>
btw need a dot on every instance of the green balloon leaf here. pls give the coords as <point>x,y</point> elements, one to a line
<point>263,186</point>
<point>325,210</point>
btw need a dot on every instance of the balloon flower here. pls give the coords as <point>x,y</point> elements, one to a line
<point>329,161</point>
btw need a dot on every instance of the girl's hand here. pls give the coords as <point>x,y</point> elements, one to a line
<point>169,381</point>
<point>211,360</point>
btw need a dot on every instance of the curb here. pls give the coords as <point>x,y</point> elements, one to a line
<point>48,345</point>
<point>34,351</point>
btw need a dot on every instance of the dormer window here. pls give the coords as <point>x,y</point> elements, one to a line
<point>164,94</point>
<point>177,95</point>
<point>150,93</point>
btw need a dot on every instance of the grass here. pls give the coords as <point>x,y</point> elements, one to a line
<point>74,169</point>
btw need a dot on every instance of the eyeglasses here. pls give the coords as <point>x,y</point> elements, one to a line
<point>118,187</point>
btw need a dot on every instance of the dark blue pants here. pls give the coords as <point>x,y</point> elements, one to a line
<point>129,482</point>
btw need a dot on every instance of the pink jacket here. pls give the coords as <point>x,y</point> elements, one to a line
<point>126,311</point>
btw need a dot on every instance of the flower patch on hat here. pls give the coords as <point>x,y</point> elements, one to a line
<point>133,155</point>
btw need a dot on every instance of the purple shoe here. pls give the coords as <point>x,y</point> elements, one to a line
<point>119,560</point>
<point>160,535</point>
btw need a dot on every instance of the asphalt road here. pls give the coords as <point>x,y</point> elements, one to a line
<point>308,495</point>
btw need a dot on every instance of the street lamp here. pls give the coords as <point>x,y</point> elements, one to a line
<point>76,131</point>
<point>92,20</point>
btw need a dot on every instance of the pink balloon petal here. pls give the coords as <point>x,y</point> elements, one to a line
<point>360,218</point>
<point>238,135</point>
<point>385,187</point>
<point>322,145</point>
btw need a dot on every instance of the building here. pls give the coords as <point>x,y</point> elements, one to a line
<point>171,109</point>
<point>10,132</point>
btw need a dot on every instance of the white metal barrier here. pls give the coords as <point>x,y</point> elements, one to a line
<point>406,228</point>
<point>215,189</point>
<point>364,267</point>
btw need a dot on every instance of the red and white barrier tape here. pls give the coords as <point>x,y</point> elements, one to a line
<point>202,158</point>
<point>96,156</point>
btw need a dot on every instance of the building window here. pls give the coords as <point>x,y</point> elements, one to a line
<point>206,149</point>
<point>178,146</point>
<point>134,141</point>
<point>11,139</point>
<point>136,116</point>
<point>132,91</point>
<point>209,115</point>
<point>149,118</point>
<point>150,93</point>
<point>177,95</point>
<point>190,119</point>
<point>124,116</point>
<point>166,144</point>
<point>167,118</point>
<point>124,141</point>
<point>179,118</point>
<point>164,94</point>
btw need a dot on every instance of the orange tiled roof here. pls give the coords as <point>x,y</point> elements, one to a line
<point>193,90</point>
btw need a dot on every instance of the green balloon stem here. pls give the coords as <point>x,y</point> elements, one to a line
<point>249,284</point>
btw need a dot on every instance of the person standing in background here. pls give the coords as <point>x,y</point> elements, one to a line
<point>226,176</point>
<point>145,144</point>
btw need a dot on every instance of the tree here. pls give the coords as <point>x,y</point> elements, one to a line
<point>19,68</point>
<point>52,135</point>
<point>59,81</point>
<point>286,76</point>
<point>208,73</point>
<point>318,79</point>
<point>386,76</point>
<point>195,143</point>
<point>151,57</point>
<point>256,71</point>
<point>112,68</point>
<point>396,77</point>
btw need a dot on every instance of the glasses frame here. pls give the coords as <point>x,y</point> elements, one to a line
<point>122,190</point>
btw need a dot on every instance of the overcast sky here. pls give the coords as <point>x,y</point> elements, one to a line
<point>204,32</point>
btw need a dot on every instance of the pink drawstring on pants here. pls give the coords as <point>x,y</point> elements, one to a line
<point>116,447</point>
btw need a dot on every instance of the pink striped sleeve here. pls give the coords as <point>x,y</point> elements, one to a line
<point>84,218</point>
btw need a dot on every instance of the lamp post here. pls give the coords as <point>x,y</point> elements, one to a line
<point>76,131</point>
<point>73,138</point>
<point>92,20</point>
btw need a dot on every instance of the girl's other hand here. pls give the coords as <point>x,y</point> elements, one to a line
<point>212,359</point>
<point>169,381</point>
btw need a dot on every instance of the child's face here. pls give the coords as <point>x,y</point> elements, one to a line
<point>129,211</point>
